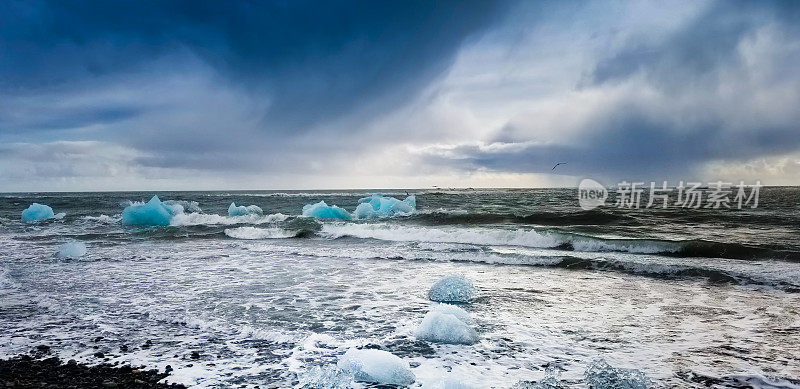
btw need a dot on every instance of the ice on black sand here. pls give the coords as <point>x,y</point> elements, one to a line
<point>376,366</point>
<point>446,324</point>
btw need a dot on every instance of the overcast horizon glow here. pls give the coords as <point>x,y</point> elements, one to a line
<point>186,95</point>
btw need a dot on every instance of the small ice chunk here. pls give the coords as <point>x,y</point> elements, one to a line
<point>376,366</point>
<point>321,210</point>
<point>186,206</point>
<point>602,375</point>
<point>72,250</point>
<point>377,206</point>
<point>552,380</point>
<point>152,213</point>
<point>242,210</point>
<point>36,212</point>
<point>446,324</point>
<point>452,289</point>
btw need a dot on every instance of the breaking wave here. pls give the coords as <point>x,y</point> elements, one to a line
<point>196,219</point>
<point>261,233</point>
<point>528,238</point>
<point>554,240</point>
<point>593,217</point>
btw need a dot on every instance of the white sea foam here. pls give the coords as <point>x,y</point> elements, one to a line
<point>493,237</point>
<point>196,219</point>
<point>259,233</point>
<point>485,236</point>
<point>630,246</point>
<point>102,219</point>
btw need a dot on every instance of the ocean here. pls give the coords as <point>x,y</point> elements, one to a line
<point>671,297</point>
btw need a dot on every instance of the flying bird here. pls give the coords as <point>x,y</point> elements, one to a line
<point>560,163</point>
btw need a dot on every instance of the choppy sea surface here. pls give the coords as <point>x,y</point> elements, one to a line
<point>688,297</point>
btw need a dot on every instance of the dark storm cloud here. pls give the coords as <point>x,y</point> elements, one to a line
<point>312,61</point>
<point>699,49</point>
<point>723,87</point>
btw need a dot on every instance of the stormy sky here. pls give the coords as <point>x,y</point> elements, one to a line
<point>158,95</point>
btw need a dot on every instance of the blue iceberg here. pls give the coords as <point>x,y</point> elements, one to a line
<point>452,289</point>
<point>321,210</point>
<point>72,250</point>
<point>242,210</point>
<point>376,366</point>
<point>152,213</point>
<point>377,206</point>
<point>447,324</point>
<point>36,212</point>
<point>602,375</point>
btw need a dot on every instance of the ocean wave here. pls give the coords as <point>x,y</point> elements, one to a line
<point>651,266</point>
<point>495,237</point>
<point>260,233</point>
<point>528,238</point>
<point>196,219</point>
<point>554,240</point>
<point>594,217</point>
<point>740,381</point>
<point>102,219</point>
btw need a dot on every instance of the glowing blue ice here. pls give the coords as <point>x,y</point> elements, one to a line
<point>321,210</point>
<point>452,289</point>
<point>376,366</point>
<point>242,210</point>
<point>446,324</point>
<point>152,213</point>
<point>72,250</point>
<point>602,375</point>
<point>377,206</point>
<point>37,212</point>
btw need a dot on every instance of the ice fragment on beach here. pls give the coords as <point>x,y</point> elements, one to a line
<point>377,206</point>
<point>152,213</point>
<point>376,366</point>
<point>321,210</point>
<point>241,210</point>
<point>36,212</point>
<point>446,324</point>
<point>601,375</point>
<point>452,289</point>
<point>72,250</point>
<point>551,381</point>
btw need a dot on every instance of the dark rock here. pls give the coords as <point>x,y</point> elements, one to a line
<point>26,372</point>
<point>99,355</point>
<point>99,338</point>
<point>123,348</point>
<point>195,355</point>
